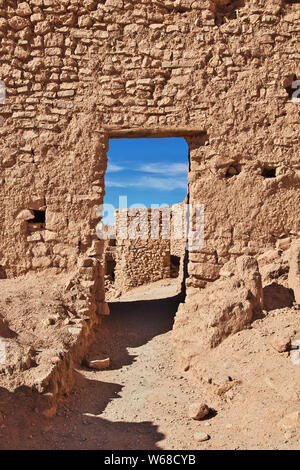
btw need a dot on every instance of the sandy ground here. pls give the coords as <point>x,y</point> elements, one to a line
<point>137,404</point>
<point>141,402</point>
<point>34,326</point>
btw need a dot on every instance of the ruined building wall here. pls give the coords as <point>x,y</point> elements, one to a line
<point>79,72</point>
<point>140,259</point>
<point>141,262</point>
<point>177,239</point>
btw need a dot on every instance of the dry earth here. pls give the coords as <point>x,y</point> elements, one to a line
<point>141,402</point>
<point>35,323</point>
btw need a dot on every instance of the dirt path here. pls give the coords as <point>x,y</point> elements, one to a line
<point>141,402</point>
<point>137,403</point>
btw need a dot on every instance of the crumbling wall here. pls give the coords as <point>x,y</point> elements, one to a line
<point>52,158</point>
<point>79,72</point>
<point>178,241</point>
<point>137,257</point>
<point>109,261</point>
<point>141,262</point>
<point>140,258</point>
<point>241,218</point>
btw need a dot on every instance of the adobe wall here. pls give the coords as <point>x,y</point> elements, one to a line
<point>141,262</point>
<point>136,256</point>
<point>140,259</point>
<point>79,72</point>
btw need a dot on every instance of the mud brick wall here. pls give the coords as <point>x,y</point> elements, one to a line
<point>80,72</point>
<point>178,236</point>
<point>140,260</point>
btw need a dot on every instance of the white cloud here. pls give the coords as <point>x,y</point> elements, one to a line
<point>162,184</point>
<point>151,182</point>
<point>116,184</point>
<point>171,169</point>
<point>113,168</point>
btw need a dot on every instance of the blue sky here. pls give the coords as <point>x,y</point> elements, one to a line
<point>147,171</point>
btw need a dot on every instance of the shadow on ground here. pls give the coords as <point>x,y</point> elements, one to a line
<point>277,296</point>
<point>131,325</point>
<point>78,424</point>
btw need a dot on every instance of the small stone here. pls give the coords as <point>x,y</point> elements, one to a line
<point>23,9</point>
<point>26,214</point>
<point>75,331</point>
<point>55,360</point>
<point>17,23</point>
<point>283,244</point>
<point>281,343</point>
<point>291,421</point>
<point>201,436</point>
<point>198,411</point>
<point>288,436</point>
<point>100,364</point>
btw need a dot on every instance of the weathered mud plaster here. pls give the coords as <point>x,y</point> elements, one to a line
<point>79,72</point>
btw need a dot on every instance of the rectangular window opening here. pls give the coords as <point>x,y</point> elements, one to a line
<point>39,217</point>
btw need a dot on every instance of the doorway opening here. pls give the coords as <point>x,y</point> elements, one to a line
<point>146,184</point>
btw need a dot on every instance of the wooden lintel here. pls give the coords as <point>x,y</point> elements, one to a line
<point>119,133</point>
